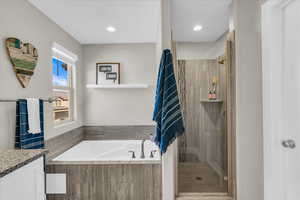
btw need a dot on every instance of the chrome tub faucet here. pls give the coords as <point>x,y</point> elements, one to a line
<point>152,153</point>
<point>133,154</point>
<point>143,149</point>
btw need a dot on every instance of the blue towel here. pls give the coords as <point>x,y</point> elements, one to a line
<point>25,140</point>
<point>167,112</point>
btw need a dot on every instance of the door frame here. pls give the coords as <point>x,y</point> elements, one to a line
<point>230,125</point>
<point>272,68</point>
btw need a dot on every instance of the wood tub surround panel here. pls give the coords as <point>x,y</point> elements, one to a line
<point>63,142</point>
<point>109,182</point>
<point>118,132</point>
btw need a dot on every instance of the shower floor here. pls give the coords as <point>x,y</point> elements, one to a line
<point>199,178</point>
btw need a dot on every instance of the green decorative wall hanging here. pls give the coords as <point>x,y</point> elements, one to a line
<point>24,57</point>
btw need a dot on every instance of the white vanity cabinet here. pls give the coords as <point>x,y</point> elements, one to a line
<point>25,183</point>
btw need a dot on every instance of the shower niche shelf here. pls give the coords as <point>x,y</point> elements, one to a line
<point>211,101</point>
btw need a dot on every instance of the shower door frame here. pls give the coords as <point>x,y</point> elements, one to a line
<point>231,110</point>
<point>230,125</point>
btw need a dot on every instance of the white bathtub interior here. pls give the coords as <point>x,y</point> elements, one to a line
<point>110,150</point>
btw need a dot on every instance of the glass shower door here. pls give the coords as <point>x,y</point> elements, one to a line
<point>202,149</point>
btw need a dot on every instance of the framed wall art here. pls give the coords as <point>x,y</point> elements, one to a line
<point>108,73</point>
<point>24,57</point>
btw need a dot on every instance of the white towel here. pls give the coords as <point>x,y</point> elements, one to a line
<point>33,107</point>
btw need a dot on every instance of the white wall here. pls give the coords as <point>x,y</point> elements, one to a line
<point>120,106</point>
<point>201,50</point>
<point>169,159</point>
<point>273,112</point>
<point>20,19</point>
<point>249,134</point>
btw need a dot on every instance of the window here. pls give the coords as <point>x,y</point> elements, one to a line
<point>63,91</point>
<point>64,88</point>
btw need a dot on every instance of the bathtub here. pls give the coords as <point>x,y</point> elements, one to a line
<point>104,169</point>
<point>110,151</point>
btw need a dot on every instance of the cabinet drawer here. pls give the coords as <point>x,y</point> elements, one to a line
<point>27,182</point>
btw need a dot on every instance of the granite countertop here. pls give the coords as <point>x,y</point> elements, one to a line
<point>11,160</point>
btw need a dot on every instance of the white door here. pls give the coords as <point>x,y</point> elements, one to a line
<point>281,93</point>
<point>291,99</point>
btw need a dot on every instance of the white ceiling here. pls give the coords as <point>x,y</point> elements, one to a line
<point>136,21</point>
<point>213,15</point>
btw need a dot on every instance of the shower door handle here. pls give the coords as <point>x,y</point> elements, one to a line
<point>289,144</point>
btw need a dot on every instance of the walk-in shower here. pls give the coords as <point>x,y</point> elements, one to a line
<point>204,76</point>
<point>202,149</point>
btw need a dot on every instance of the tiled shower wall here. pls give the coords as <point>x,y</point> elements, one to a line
<point>204,139</point>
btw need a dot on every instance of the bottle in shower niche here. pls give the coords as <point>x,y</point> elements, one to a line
<point>214,94</point>
<point>214,88</point>
<point>209,94</point>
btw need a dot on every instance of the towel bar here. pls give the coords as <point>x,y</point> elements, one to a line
<point>50,100</point>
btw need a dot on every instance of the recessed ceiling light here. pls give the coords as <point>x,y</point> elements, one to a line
<point>197,28</point>
<point>111,29</point>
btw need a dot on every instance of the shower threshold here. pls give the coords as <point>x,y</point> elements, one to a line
<point>203,196</point>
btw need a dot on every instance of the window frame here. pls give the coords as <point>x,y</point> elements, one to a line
<point>63,55</point>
